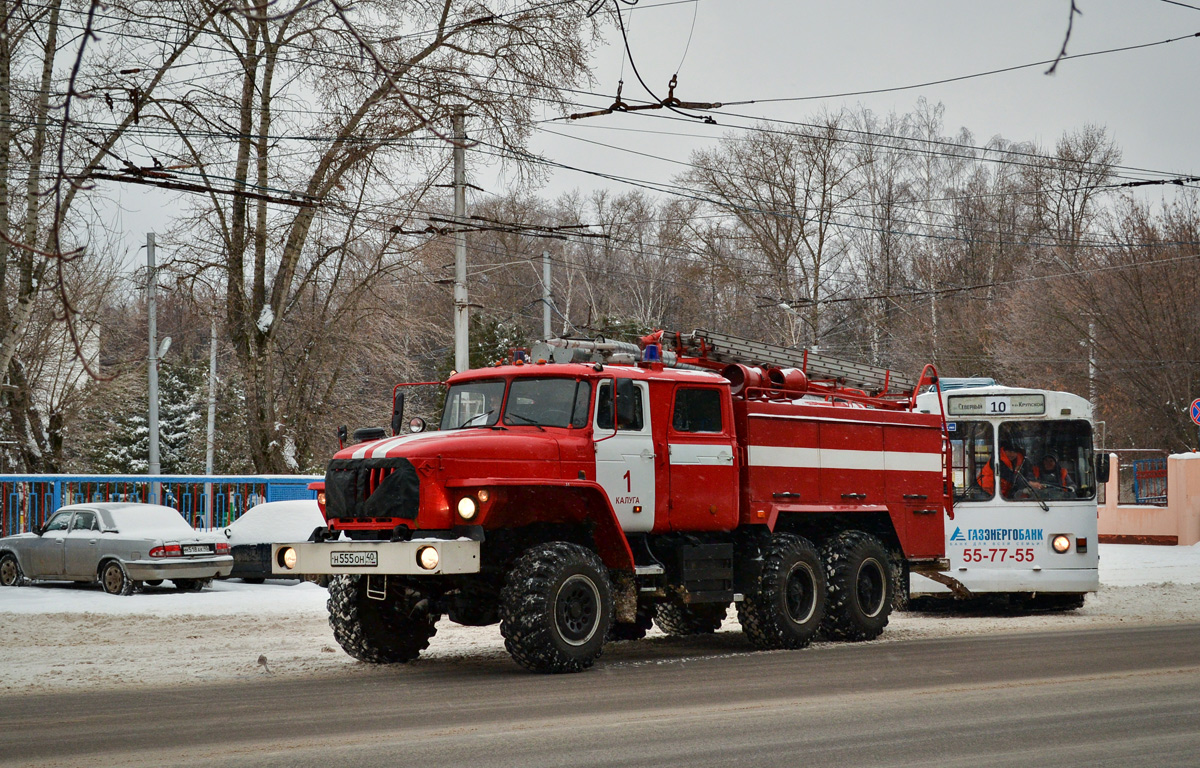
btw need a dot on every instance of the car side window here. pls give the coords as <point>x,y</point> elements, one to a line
<point>84,521</point>
<point>697,410</point>
<point>59,522</point>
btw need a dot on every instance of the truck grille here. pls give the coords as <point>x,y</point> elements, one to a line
<point>371,488</point>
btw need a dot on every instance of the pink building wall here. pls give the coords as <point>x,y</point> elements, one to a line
<point>1176,523</point>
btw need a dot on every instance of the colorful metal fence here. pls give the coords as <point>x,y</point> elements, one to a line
<point>1150,482</point>
<point>26,501</point>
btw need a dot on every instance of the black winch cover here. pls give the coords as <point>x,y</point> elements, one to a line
<point>347,482</point>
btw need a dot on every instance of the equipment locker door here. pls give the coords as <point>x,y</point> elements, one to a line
<point>703,476</point>
<point>625,460</point>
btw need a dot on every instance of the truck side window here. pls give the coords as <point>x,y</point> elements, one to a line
<point>583,397</point>
<point>630,413</point>
<point>697,410</point>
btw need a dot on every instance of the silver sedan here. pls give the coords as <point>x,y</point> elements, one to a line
<point>120,545</point>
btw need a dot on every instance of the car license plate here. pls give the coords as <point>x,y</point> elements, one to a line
<point>354,559</point>
<point>196,549</point>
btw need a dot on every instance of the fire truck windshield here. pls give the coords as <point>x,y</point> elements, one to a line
<point>555,402</point>
<point>473,404</point>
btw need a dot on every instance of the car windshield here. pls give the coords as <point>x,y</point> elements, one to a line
<point>473,404</point>
<point>548,402</point>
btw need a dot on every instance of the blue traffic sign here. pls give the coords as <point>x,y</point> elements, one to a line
<point>1196,411</point>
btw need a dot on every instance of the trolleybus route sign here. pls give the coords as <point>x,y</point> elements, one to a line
<point>1196,411</point>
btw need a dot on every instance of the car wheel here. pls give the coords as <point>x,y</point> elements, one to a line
<point>10,572</point>
<point>115,580</point>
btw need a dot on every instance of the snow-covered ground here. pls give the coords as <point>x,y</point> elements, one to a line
<point>68,637</point>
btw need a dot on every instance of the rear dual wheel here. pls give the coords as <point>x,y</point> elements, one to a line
<point>788,602</point>
<point>859,574</point>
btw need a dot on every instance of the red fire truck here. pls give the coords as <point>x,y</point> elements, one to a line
<point>603,486</point>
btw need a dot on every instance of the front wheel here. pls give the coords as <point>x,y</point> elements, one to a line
<point>787,605</point>
<point>859,574</point>
<point>390,630</point>
<point>556,608</point>
<point>10,571</point>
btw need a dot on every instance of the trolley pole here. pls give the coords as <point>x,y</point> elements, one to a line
<point>211,441</point>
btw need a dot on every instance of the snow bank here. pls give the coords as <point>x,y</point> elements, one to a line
<point>161,637</point>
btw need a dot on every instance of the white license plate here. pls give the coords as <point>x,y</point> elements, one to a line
<point>196,549</point>
<point>354,559</point>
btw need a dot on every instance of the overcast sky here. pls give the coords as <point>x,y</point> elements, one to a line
<point>770,49</point>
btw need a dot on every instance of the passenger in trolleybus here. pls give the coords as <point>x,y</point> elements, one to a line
<point>1048,473</point>
<point>1014,470</point>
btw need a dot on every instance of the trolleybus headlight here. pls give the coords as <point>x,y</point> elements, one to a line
<point>427,558</point>
<point>287,557</point>
<point>1061,543</point>
<point>467,508</point>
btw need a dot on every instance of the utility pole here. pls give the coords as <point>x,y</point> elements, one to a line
<point>462,360</point>
<point>546,295</point>
<point>211,442</point>
<point>151,289</point>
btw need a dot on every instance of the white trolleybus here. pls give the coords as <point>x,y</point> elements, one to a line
<point>1024,527</point>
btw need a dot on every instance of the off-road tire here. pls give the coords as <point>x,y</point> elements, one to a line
<point>390,631</point>
<point>556,608</point>
<point>788,603</point>
<point>320,579</point>
<point>858,574</point>
<point>675,617</point>
<point>622,631</point>
<point>11,574</point>
<point>114,579</point>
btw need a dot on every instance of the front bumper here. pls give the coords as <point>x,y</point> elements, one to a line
<point>379,557</point>
<point>195,568</point>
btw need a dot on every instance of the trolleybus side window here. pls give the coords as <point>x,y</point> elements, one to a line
<point>972,450</point>
<point>1047,460</point>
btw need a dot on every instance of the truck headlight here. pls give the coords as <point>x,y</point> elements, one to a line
<point>1061,543</point>
<point>427,558</point>
<point>467,508</point>
<point>287,557</point>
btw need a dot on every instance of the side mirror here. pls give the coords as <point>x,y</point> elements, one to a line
<point>1102,468</point>
<point>342,433</point>
<point>397,413</point>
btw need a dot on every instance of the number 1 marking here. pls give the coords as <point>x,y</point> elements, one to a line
<point>628,483</point>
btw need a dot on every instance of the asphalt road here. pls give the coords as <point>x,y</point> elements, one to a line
<point>1111,697</point>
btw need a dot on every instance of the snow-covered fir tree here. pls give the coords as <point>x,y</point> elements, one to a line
<point>181,427</point>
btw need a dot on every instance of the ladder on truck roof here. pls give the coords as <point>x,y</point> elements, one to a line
<point>723,348</point>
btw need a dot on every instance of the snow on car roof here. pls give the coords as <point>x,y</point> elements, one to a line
<point>151,520</point>
<point>276,522</point>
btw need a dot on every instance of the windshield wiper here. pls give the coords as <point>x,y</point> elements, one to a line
<point>1036,495</point>
<point>485,414</point>
<point>526,419</point>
